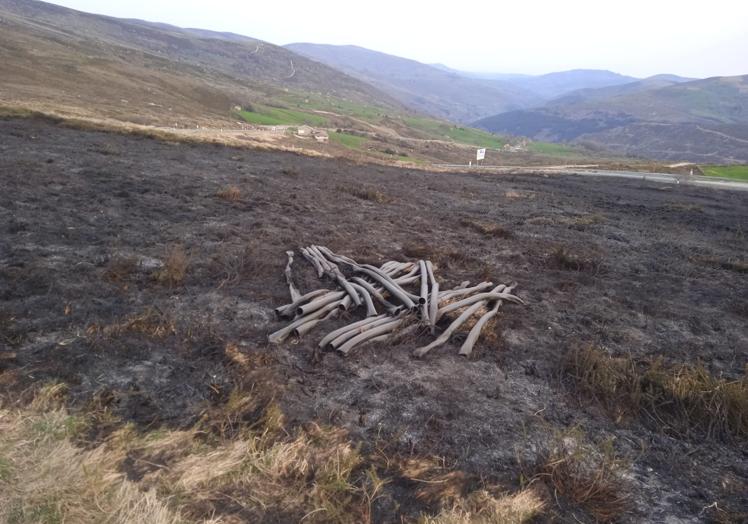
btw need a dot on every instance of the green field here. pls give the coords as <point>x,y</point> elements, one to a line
<point>311,102</point>
<point>351,141</point>
<point>548,148</point>
<point>734,172</point>
<point>463,135</point>
<point>275,116</point>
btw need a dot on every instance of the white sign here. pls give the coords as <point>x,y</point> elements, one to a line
<point>481,154</point>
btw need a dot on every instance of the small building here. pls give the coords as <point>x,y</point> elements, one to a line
<point>321,136</point>
<point>304,130</point>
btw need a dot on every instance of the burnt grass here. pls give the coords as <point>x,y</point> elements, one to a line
<point>88,219</point>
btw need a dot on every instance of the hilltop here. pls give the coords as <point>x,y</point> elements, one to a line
<point>429,89</point>
<point>152,73</point>
<point>661,117</point>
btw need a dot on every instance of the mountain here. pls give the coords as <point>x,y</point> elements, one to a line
<point>62,58</point>
<point>662,117</point>
<point>553,85</point>
<point>646,84</point>
<point>425,88</point>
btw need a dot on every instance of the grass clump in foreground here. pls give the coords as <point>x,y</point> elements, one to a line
<point>734,172</point>
<point>583,476</point>
<point>237,463</point>
<point>681,399</point>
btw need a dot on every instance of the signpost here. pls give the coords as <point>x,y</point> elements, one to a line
<point>480,155</point>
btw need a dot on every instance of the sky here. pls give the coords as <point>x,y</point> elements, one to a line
<point>636,37</point>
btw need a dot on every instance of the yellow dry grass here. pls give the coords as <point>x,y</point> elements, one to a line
<point>484,507</point>
<point>150,323</point>
<point>230,193</point>
<point>175,266</point>
<point>683,399</point>
<point>256,473</point>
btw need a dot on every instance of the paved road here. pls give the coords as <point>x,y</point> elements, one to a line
<point>652,177</point>
<point>663,177</point>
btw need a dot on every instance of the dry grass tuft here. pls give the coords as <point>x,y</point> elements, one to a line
<point>680,399</point>
<point>561,258</point>
<point>367,193</point>
<point>439,255</point>
<point>230,193</point>
<point>584,477</point>
<point>45,478</point>
<point>739,266</point>
<point>175,267</point>
<point>119,269</point>
<point>485,507</point>
<point>487,228</point>
<point>151,323</point>
<point>584,220</point>
<point>169,476</point>
<point>679,206</point>
<point>9,332</point>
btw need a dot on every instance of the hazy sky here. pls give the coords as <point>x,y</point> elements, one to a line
<point>635,37</point>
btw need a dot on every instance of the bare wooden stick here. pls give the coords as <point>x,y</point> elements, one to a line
<point>289,310</point>
<point>371,311</point>
<point>375,293</point>
<point>313,260</point>
<point>477,298</point>
<point>458,292</point>
<point>282,334</point>
<point>289,278</point>
<point>347,335</point>
<point>334,334</point>
<point>369,334</point>
<point>434,297</point>
<point>424,290</point>
<point>395,290</point>
<point>472,338</point>
<point>307,327</point>
<point>404,281</point>
<point>333,296</point>
<point>448,332</point>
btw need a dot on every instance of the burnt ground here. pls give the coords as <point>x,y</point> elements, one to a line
<point>86,218</point>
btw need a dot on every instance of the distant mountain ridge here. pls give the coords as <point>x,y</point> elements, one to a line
<point>420,86</point>
<point>663,117</point>
<point>52,55</point>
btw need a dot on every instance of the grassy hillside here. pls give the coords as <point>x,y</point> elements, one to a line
<point>422,87</point>
<point>205,85</point>
<point>153,72</point>
<point>699,121</point>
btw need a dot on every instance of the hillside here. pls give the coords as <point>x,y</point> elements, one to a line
<point>201,85</point>
<point>553,85</point>
<point>425,88</point>
<point>151,72</point>
<point>662,118</point>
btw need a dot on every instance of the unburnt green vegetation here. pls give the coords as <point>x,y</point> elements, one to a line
<point>272,116</point>
<point>464,135</point>
<point>734,172</point>
<point>549,148</point>
<point>347,139</point>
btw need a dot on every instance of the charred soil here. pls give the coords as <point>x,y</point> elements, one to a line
<point>128,275</point>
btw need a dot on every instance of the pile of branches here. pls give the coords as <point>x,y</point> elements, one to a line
<point>392,311</point>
